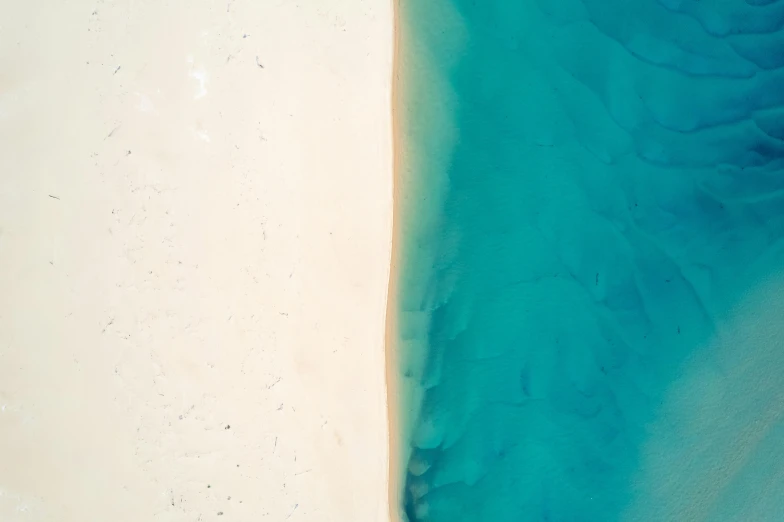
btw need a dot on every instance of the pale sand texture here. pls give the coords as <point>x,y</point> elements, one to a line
<point>194,260</point>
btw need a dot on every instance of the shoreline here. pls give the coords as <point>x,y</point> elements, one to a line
<point>391,322</point>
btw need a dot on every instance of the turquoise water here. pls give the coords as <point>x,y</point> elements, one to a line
<point>593,260</point>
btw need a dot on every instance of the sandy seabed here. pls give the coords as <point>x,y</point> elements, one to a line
<point>195,231</point>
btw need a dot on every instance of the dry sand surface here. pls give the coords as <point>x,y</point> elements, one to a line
<point>195,224</point>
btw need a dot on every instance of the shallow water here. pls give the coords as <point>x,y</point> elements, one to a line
<point>593,250</point>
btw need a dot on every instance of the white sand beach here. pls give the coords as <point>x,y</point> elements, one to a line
<point>195,233</point>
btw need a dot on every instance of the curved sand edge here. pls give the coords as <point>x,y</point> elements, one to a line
<point>391,323</point>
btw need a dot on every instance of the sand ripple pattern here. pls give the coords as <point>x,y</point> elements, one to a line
<point>616,188</point>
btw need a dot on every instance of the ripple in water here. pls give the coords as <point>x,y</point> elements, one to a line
<point>589,299</point>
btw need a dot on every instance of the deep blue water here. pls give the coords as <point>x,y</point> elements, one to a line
<point>595,210</point>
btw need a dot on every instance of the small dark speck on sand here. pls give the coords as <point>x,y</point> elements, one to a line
<point>208,486</point>
<point>228,427</point>
<point>220,513</point>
